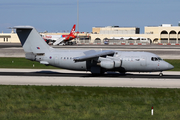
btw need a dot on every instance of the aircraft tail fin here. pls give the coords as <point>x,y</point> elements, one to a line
<point>31,40</point>
<point>73,30</point>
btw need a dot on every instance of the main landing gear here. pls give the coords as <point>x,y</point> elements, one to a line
<point>160,74</point>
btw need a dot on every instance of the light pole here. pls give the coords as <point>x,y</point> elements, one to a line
<point>77,21</point>
<point>78,15</point>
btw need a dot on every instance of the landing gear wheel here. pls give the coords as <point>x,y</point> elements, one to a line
<point>160,74</point>
<point>123,73</point>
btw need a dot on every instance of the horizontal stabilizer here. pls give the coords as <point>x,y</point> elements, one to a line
<point>44,62</point>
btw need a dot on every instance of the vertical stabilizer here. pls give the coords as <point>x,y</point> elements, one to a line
<point>73,30</point>
<point>31,40</point>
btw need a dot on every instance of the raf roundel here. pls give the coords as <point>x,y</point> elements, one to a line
<point>50,57</point>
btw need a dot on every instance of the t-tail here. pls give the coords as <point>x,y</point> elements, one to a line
<point>31,41</point>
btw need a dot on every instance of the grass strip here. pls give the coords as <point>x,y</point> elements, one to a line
<point>90,103</point>
<point>22,63</point>
<point>175,63</point>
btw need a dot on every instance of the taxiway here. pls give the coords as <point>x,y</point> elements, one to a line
<point>76,78</point>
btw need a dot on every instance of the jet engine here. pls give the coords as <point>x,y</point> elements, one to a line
<point>109,63</point>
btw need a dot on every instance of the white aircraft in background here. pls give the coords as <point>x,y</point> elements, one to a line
<point>61,39</point>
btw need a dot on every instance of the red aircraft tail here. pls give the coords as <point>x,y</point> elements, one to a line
<point>73,30</point>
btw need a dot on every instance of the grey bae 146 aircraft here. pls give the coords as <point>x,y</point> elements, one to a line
<point>95,61</point>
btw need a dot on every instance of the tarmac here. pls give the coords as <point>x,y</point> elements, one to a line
<point>62,77</point>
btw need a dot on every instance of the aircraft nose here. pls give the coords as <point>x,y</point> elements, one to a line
<point>170,66</point>
<point>166,66</point>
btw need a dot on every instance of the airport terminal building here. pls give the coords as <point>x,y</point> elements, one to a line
<point>165,34</point>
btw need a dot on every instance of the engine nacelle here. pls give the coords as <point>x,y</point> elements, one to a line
<point>107,64</point>
<point>117,63</point>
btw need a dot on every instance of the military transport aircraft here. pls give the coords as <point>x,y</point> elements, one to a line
<point>95,61</point>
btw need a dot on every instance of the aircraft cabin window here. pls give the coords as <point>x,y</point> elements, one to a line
<point>153,58</point>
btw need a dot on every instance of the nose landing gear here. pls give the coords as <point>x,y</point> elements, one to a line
<point>160,74</point>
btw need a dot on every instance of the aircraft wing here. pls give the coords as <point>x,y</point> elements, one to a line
<point>91,54</point>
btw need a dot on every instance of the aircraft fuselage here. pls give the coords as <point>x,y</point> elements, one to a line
<point>128,61</point>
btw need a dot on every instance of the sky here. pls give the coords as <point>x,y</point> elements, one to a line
<point>60,15</point>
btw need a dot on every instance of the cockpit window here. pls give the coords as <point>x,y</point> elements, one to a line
<point>160,58</point>
<point>155,58</point>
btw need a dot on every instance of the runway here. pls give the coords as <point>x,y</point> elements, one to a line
<point>75,78</point>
